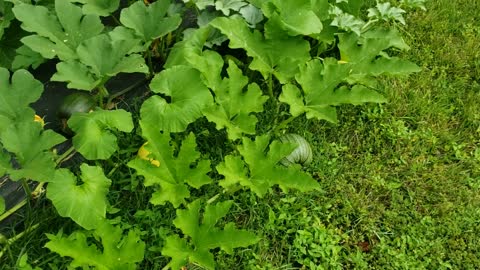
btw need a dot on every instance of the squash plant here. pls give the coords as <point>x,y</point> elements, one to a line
<point>301,57</point>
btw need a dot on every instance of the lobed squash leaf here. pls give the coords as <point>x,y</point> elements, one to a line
<point>118,251</point>
<point>92,136</point>
<point>86,204</point>
<point>150,22</point>
<point>59,33</point>
<point>259,169</point>
<point>175,171</point>
<point>203,236</point>
<point>98,7</point>
<point>280,56</point>
<point>233,106</point>
<point>185,98</point>
<point>99,58</point>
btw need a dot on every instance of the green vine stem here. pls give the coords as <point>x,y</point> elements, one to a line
<point>16,237</point>
<point>126,90</point>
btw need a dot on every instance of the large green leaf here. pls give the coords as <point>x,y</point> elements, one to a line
<point>187,96</point>
<point>117,252</point>
<point>57,34</point>
<point>190,52</point>
<point>31,146</point>
<point>173,172</point>
<point>150,21</point>
<point>99,59</point>
<point>365,54</point>
<point>280,56</point>
<point>98,7</point>
<point>93,138</point>
<point>233,106</point>
<point>16,93</point>
<point>259,170</point>
<point>203,236</point>
<point>297,17</point>
<point>86,204</point>
<point>320,83</point>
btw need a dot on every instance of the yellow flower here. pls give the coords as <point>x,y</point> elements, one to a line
<point>144,153</point>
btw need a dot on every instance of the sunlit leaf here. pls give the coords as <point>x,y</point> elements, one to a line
<point>86,203</point>
<point>58,33</point>
<point>186,97</point>
<point>99,57</point>
<point>98,7</point>
<point>259,169</point>
<point>150,21</point>
<point>93,137</point>
<point>233,106</point>
<point>117,251</point>
<point>176,171</point>
<point>203,236</point>
<point>280,57</point>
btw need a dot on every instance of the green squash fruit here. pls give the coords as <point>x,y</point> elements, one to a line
<point>75,103</point>
<point>301,155</point>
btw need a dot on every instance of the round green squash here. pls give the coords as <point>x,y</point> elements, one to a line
<point>301,155</point>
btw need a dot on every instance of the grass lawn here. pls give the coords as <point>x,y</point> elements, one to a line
<point>400,181</point>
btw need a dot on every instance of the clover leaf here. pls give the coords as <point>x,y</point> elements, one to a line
<point>86,204</point>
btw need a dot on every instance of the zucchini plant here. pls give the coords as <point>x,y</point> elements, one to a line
<point>295,58</point>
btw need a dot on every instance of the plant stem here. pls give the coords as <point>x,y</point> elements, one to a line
<point>63,157</point>
<point>283,124</point>
<point>123,91</point>
<point>13,209</point>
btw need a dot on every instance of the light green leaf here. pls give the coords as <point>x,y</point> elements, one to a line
<point>23,263</point>
<point>5,164</point>
<point>26,57</point>
<point>365,55</point>
<point>320,87</point>
<point>16,93</point>
<point>186,99</point>
<point>92,136</point>
<point>295,16</point>
<point>204,236</point>
<point>31,146</point>
<point>279,56</point>
<point>251,14</point>
<point>414,4</point>
<point>99,58</point>
<point>86,204</point>
<point>259,170</point>
<point>57,34</point>
<point>190,52</point>
<point>98,7</point>
<point>226,5</point>
<point>108,58</point>
<point>233,106</point>
<point>174,171</point>
<point>385,12</point>
<point>346,21</point>
<point>118,251</point>
<point>150,21</point>
<point>76,74</point>
<point>201,4</point>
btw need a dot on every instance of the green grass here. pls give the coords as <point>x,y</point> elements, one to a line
<point>400,181</point>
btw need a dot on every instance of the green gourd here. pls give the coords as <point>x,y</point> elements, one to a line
<point>301,155</point>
